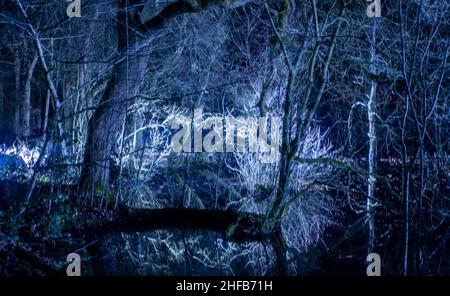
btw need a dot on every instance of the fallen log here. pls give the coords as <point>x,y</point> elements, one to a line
<point>239,227</point>
<point>236,226</point>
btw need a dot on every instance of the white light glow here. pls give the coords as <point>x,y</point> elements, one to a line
<point>28,155</point>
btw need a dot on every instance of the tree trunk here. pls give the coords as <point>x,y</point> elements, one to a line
<point>26,104</point>
<point>107,120</point>
<point>405,255</point>
<point>371,179</point>
<point>17,95</point>
<point>274,53</point>
<point>371,110</point>
<point>290,148</point>
<point>405,186</point>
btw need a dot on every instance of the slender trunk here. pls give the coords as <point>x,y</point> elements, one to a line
<point>405,186</point>
<point>405,257</point>
<point>51,85</point>
<point>371,110</point>
<point>17,95</point>
<point>371,178</point>
<point>290,148</point>
<point>47,108</point>
<point>274,53</point>
<point>283,177</point>
<point>26,104</point>
<point>419,205</point>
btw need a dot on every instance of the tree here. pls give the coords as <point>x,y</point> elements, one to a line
<point>127,73</point>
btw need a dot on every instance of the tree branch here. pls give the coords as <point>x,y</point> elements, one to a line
<point>182,7</point>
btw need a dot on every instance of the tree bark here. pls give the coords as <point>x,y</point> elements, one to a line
<point>26,104</point>
<point>107,120</point>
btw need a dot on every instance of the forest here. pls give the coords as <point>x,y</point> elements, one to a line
<point>224,137</point>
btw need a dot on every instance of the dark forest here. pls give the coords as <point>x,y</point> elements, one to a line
<point>224,137</point>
